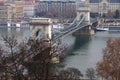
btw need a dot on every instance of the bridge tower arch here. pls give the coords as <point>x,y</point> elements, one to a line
<point>40,25</point>
<point>83,10</point>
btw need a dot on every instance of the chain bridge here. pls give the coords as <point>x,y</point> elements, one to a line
<point>42,26</point>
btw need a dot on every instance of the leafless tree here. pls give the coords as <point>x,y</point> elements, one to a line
<point>109,67</point>
<point>33,61</point>
<point>90,73</point>
<point>70,74</point>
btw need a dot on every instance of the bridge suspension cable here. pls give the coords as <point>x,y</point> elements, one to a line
<point>72,27</point>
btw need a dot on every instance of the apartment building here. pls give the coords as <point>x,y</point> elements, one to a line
<point>56,8</point>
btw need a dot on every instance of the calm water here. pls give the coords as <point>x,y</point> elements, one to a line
<point>84,51</point>
<point>21,34</point>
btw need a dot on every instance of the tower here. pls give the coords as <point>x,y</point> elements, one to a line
<point>83,10</point>
<point>42,25</point>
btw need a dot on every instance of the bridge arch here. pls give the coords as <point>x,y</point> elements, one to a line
<point>42,25</point>
<point>83,10</point>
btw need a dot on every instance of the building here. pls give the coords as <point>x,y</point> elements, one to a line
<point>56,8</point>
<point>104,6</point>
<point>15,11</point>
<point>29,8</point>
<point>3,12</point>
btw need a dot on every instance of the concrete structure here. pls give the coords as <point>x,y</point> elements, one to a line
<point>83,10</point>
<point>104,6</point>
<point>43,25</point>
<point>39,24</point>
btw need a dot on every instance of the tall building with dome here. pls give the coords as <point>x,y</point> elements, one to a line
<point>104,6</point>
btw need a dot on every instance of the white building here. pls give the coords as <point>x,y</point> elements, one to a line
<point>104,6</point>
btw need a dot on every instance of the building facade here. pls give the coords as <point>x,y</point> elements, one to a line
<point>29,8</point>
<point>3,14</point>
<point>15,11</point>
<point>56,8</point>
<point>104,6</point>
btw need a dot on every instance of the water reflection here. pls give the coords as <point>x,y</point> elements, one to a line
<point>79,42</point>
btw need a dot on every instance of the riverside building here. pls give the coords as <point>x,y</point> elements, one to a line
<point>104,6</point>
<point>56,8</point>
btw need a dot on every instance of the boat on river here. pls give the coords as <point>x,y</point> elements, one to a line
<point>102,29</point>
<point>108,28</point>
<point>17,25</point>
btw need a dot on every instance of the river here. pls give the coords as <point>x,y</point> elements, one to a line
<point>20,34</point>
<point>84,51</point>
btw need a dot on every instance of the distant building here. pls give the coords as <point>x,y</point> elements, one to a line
<point>56,8</point>
<point>15,11</point>
<point>1,2</point>
<point>29,8</point>
<point>3,14</point>
<point>104,6</point>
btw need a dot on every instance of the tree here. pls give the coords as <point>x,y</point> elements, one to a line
<point>109,67</point>
<point>110,14</point>
<point>117,14</point>
<point>28,61</point>
<point>11,64</point>
<point>90,73</point>
<point>70,74</point>
<point>40,65</point>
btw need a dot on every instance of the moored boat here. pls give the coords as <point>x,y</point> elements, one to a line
<point>17,25</point>
<point>108,28</point>
<point>102,29</point>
